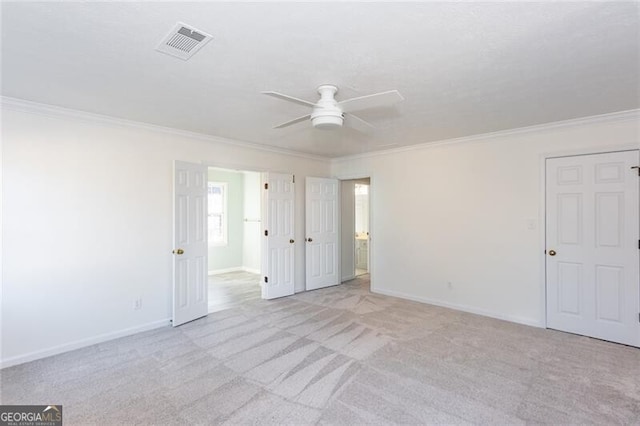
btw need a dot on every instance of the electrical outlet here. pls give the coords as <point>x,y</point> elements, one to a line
<point>137,304</point>
<point>531,224</point>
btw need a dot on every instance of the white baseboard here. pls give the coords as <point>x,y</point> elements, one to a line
<point>348,278</point>
<point>225,270</point>
<point>66,347</point>
<point>234,269</point>
<point>511,318</point>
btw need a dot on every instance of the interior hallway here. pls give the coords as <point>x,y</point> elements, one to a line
<point>339,355</point>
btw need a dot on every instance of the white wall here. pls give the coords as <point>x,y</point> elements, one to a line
<point>87,212</point>
<point>458,212</point>
<point>252,226</point>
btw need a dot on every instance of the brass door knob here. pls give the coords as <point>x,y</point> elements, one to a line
<point>309,239</point>
<point>552,252</point>
<point>291,241</point>
<point>178,251</point>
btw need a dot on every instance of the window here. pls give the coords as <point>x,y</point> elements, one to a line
<point>217,213</point>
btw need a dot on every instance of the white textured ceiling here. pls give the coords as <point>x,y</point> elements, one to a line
<point>464,68</point>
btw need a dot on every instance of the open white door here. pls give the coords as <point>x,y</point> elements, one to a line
<point>322,225</point>
<point>278,254</point>
<point>189,242</point>
<point>592,246</point>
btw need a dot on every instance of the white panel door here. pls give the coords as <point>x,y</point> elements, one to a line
<point>189,242</point>
<point>322,230</point>
<point>278,253</point>
<point>592,246</point>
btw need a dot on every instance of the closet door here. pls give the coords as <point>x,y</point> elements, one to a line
<point>278,254</point>
<point>322,248</point>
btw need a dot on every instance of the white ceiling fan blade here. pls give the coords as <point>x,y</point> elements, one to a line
<point>289,98</point>
<point>294,121</point>
<point>371,101</point>
<point>358,124</point>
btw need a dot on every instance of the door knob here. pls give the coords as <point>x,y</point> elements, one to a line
<point>309,239</point>
<point>552,252</point>
<point>291,241</point>
<point>178,251</point>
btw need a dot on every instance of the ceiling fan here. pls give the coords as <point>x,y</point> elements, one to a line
<point>328,113</point>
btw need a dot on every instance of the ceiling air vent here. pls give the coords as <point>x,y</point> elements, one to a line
<point>183,41</point>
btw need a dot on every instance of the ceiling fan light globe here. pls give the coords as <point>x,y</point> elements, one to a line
<point>327,122</point>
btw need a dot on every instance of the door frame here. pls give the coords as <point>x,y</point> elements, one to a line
<point>372,230</point>
<point>542,211</point>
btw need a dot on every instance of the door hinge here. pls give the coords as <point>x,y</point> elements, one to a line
<point>294,178</point>
<point>266,233</point>
<point>266,186</point>
<point>266,279</point>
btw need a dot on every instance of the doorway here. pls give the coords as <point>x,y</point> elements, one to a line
<point>234,223</point>
<point>355,234</point>
<point>361,192</point>
<point>592,234</point>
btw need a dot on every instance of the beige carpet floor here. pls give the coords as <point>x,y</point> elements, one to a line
<point>338,356</point>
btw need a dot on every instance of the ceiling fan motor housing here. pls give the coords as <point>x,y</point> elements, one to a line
<point>326,113</point>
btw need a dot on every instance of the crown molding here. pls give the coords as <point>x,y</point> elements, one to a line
<point>22,105</point>
<point>628,115</point>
